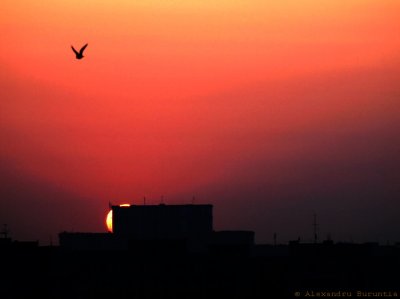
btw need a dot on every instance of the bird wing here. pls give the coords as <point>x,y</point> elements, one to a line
<point>75,51</point>
<point>83,49</point>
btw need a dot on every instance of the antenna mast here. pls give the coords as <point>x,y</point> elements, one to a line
<point>315,226</point>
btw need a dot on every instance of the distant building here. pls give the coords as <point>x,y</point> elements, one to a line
<point>5,242</point>
<point>8,243</point>
<point>91,241</point>
<point>232,242</point>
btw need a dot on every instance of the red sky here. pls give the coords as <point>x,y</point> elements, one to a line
<point>259,107</point>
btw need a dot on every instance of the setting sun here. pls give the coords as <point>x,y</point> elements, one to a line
<point>109,217</point>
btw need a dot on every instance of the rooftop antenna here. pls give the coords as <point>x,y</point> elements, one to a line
<point>315,226</point>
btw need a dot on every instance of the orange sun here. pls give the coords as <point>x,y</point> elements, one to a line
<point>109,217</point>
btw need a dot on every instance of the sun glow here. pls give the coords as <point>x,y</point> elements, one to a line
<point>109,218</point>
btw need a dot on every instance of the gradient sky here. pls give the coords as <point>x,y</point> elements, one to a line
<point>270,110</point>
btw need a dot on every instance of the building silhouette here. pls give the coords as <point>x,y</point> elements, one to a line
<point>162,229</point>
<point>162,221</point>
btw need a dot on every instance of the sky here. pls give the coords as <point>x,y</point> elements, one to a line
<point>269,110</point>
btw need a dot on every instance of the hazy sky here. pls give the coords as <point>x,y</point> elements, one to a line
<point>270,110</point>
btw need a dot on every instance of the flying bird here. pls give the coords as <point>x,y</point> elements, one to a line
<point>79,55</point>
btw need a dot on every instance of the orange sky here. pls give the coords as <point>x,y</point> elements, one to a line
<point>176,96</point>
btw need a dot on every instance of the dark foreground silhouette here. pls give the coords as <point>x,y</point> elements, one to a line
<point>165,270</point>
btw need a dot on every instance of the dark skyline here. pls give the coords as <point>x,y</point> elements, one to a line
<point>173,251</point>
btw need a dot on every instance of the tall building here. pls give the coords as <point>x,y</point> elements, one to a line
<point>167,229</point>
<point>162,221</point>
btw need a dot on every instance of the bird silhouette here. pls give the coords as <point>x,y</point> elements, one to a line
<point>79,55</point>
